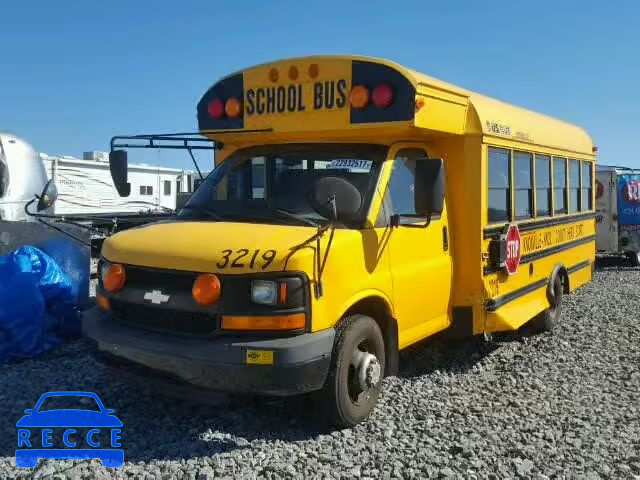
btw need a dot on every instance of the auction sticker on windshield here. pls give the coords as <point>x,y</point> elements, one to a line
<point>352,165</point>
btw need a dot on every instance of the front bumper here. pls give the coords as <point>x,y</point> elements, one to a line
<point>300,363</point>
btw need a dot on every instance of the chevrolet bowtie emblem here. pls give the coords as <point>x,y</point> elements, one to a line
<point>156,296</point>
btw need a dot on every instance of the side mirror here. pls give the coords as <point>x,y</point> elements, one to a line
<point>29,411</point>
<point>336,198</point>
<point>119,168</point>
<point>429,187</point>
<point>48,196</point>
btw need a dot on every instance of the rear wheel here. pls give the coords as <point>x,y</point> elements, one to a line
<point>547,320</point>
<point>634,258</point>
<point>353,385</point>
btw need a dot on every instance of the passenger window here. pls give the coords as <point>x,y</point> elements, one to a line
<point>543,186</point>
<point>499,200</point>
<point>559,185</point>
<point>574,186</point>
<point>587,181</point>
<point>401,186</point>
<point>399,196</point>
<point>523,184</point>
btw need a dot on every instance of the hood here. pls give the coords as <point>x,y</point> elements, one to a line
<point>218,247</point>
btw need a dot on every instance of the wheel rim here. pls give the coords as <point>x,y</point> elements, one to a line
<point>365,373</point>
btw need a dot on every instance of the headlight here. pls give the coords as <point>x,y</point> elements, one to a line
<point>264,292</point>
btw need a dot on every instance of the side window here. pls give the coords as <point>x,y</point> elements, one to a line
<point>399,192</point>
<point>399,195</point>
<point>523,179</point>
<point>543,186</point>
<point>559,185</point>
<point>167,187</point>
<point>574,186</point>
<point>587,181</point>
<point>499,201</point>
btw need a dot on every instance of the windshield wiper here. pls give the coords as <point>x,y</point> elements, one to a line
<point>205,210</point>
<point>300,218</point>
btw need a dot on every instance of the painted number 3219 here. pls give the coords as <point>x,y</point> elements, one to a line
<point>244,257</point>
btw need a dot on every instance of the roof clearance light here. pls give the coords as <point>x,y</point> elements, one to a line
<point>314,70</point>
<point>293,72</point>
<point>206,289</point>
<point>233,108</point>
<point>273,75</point>
<point>216,108</point>
<point>382,95</point>
<point>359,96</point>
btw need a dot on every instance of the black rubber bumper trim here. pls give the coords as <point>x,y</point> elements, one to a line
<point>301,362</point>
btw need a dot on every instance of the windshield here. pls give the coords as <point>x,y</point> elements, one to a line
<point>273,184</point>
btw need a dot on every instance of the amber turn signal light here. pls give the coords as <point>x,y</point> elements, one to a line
<point>114,278</point>
<point>233,108</point>
<point>102,301</point>
<point>206,289</point>
<point>294,321</point>
<point>359,96</point>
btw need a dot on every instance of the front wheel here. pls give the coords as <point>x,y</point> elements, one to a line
<point>355,377</point>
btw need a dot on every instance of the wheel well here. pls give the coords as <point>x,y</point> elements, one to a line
<point>377,308</point>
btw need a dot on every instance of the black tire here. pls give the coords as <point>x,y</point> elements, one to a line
<point>634,258</point>
<point>547,320</point>
<point>344,404</point>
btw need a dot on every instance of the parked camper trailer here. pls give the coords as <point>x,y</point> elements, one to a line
<point>21,176</point>
<point>85,185</point>
<point>618,211</point>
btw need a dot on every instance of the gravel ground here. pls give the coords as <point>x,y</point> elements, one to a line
<point>558,406</point>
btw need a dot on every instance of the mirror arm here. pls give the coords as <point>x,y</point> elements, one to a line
<point>395,220</point>
<point>194,160</point>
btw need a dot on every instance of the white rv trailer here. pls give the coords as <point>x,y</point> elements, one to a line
<point>618,211</point>
<point>85,185</point>
<point>21,177</point>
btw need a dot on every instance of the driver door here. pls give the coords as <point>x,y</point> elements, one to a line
<point>419,255</point>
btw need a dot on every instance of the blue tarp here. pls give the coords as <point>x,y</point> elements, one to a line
<point>37,304</point>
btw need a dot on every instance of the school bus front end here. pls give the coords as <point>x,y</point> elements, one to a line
<point>350,215</point>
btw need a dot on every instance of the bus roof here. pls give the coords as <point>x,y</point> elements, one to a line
<point>439,107</point>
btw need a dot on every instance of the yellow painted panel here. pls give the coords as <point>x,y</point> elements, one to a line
<point>517,312</point>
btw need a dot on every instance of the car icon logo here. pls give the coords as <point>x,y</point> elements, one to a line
<point>156,297</point>
<point>88,431</point>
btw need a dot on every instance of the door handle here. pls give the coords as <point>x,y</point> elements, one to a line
<point>445,239</point>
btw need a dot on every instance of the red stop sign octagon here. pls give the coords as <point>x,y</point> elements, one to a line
<point>512,257</point>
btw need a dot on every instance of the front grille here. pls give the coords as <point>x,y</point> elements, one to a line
<point>164,319</point>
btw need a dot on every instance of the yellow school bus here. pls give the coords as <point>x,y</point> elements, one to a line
<point>356,207</point>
